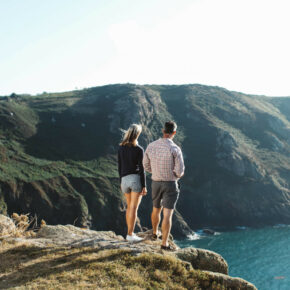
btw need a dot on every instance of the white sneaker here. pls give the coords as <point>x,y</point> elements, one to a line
<point>133,238</point>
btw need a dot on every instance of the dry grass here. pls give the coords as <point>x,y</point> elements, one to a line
<point>22,224</point>
<point>25,225</point>
<point>23,266</point>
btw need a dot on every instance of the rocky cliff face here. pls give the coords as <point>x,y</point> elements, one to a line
<point>58,154</point>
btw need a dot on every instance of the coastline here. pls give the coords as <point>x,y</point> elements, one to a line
<point>258,255</point>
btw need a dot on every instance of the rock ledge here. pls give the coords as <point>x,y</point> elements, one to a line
<point>213,264</point>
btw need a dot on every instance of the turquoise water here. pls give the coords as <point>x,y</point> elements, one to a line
<point>261,256</point>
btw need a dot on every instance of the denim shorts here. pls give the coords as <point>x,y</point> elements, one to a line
<point>130,183</point>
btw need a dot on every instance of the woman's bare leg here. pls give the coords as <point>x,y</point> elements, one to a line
<point>128,202</point>
<point>132,211</point>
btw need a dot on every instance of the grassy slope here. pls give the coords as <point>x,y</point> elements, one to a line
<point>37,166</point>
<point>60,149</point>
<point>30,267</point>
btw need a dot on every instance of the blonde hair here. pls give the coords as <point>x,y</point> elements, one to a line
<point>131,135</point>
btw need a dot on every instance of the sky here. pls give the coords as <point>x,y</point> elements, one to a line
<point>62,45</point>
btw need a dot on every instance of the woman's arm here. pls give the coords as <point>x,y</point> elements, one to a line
<point>119,164</point>
<point>141,168</point>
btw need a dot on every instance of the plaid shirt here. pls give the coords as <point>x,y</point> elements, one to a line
<point>163,158</point>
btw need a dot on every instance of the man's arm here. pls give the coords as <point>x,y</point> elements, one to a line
<point>178,163</point>
<point>146,161</point>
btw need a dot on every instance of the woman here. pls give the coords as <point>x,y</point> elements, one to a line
<point>132,176</point>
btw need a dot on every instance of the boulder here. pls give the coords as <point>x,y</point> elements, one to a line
<point>208,231</point>
<point>69,235</point>
<point>7,226</point>
<point>226,281</point>
<point>203,259</point>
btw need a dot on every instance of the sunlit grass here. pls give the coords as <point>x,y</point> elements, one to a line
<point>26,266</point>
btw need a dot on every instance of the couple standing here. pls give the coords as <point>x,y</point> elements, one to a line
<point>164,160</point>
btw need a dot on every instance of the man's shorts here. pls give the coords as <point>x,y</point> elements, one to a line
<point>165,193</point>
<point>131,182</point>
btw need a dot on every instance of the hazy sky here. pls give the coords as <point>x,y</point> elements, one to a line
<point>59,45</point>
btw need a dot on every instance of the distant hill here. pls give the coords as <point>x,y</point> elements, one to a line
<point>58,154</point>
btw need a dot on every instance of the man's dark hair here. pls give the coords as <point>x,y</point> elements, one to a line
<point>169,127</point>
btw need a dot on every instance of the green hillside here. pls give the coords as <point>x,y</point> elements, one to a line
<point>58,154</point>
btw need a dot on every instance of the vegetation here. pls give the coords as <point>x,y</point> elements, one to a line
<point>26,266</point>
<point>58,154</point>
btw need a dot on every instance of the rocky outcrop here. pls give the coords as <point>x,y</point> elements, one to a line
<point>203,260</point>
<point>180,228</point>
<point>226,281</point>
<point>214,266</point>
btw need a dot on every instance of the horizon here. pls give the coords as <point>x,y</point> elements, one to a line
<point>135,84</point>
<point>62,46</point>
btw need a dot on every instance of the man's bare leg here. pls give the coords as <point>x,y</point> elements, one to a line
<point>155,219</point>
<point>166,225</point>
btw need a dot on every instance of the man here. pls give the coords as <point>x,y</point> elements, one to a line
<point>163,158</point>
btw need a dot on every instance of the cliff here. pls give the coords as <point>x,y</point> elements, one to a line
<point>58,155</point>
<point>67,256</point>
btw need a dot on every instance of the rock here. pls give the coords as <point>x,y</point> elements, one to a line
<point>69,235</point>
<point>147,236</point>
<point>179,226</point>
<point>203,259</point>
<point>7,226</point>
<point>280,126</point>
<point>276,144</point>
<point>214,267</point>
<point>226,281</point>
<point>208,231</point>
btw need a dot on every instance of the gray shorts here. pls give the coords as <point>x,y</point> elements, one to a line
<point>165,193</point>
<point>130,183</point>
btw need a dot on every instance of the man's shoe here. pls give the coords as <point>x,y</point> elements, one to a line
<point>156,236</point>
<point>133,238</point>
<point>168,248</point>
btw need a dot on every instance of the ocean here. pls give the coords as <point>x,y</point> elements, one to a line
<point>261,256</point>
